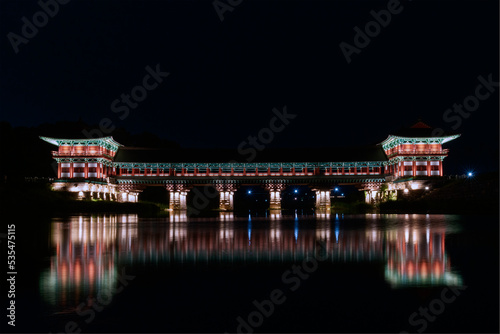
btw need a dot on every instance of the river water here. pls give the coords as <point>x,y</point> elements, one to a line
<point>267,272</point>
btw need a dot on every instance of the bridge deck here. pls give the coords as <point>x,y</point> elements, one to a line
<point>246,180</point>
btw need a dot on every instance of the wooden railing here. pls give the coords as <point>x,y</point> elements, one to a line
<point>79,154</point>
<point>422,152</point>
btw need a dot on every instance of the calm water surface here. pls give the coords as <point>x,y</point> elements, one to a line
<point>274,272</point>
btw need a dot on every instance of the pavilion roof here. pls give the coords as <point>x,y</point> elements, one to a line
<point>107,142</point>
<point>189,155</point>
<point>419,131</point>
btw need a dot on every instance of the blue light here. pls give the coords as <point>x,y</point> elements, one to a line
<point>337,230</point>
<point>342,194</point>
<point>336,189</point>
<point>296,230</point>
<point>249,191</point>
<point>469,174</point>
<point>295,191</point>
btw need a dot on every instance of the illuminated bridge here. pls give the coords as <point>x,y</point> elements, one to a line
<point>103,168</point>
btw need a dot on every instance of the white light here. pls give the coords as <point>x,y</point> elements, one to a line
<point>469,174</point>
<point>249,191</point>
<point>295,191</point>
<point>406,190</point>
<point>336,189</point>
<point>426,188</point>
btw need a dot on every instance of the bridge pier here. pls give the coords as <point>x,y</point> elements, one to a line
<point>177,196</point>
<point>372,193</point>
<point>226,196</point>
<point>275,195</point>
<point>125,193</point>
<point>323,201</point>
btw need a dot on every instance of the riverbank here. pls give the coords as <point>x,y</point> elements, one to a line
<point>444,206</point>
<point>39,200</point>
<point>477,195</point>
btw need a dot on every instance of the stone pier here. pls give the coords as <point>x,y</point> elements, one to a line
<point>177,196</point>
<point>372,192</point>
<point>275,195</point>
<point>226,195</point>
<point>322,198</point>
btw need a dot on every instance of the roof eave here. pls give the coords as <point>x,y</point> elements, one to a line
<point>57,141</point>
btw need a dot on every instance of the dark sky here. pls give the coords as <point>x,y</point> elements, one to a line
<point>227,76</point>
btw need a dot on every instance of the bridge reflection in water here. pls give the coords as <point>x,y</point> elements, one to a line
<point>91,251</point>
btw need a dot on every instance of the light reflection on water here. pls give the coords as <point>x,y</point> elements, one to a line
<point>90,251</point>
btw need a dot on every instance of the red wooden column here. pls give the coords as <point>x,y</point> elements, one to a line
<point>59,170</point>
<point>70,170</point>
<point>428,168</point>
<point>440,168</point>
<point>414,168</point>
<point>86,170</point>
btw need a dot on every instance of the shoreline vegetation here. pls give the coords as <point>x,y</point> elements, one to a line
<point>478,195</point>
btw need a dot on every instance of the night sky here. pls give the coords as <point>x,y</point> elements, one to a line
<point>225,77</point>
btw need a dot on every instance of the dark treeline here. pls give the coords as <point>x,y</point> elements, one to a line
<point>25,155</point>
